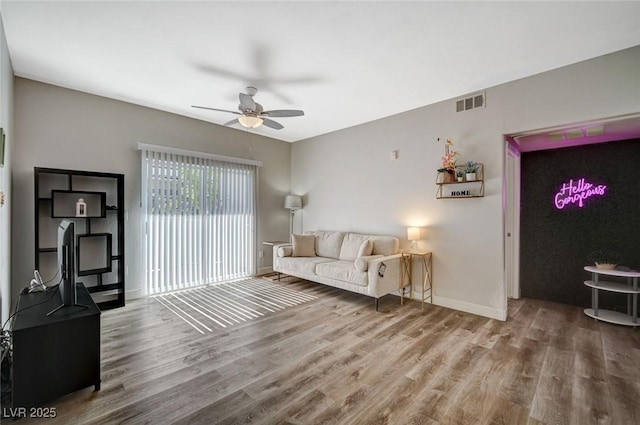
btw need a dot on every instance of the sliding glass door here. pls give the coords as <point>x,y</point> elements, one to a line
<point>200,217</point>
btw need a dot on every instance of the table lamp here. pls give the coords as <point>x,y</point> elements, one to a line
<point>413,234</point>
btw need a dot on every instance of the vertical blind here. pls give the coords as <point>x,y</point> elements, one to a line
<point>200,219</point>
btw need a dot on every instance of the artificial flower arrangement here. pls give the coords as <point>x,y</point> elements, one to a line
<point>449,158</point>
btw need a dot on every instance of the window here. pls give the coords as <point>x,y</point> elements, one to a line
<point>200,219</point>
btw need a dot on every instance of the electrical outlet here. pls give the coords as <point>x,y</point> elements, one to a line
<point>394,154</point>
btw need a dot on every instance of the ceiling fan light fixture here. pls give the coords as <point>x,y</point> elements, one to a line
<point>251,114</point>
<point>250,121</point>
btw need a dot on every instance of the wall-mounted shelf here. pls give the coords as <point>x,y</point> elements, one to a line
<point>450,188</point>
<point>99,234</point>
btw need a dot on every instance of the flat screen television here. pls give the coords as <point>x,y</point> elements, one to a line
<point>66,265</point>
<point>66,262</point>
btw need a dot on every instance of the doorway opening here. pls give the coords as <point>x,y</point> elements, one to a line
<point>611,129</point>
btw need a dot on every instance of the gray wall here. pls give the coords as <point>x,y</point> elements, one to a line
<point>6,122</point>
<point>350,182</point>
<point>61,128</point>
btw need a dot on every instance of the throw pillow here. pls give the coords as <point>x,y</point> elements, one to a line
<point>304,245</point>
<point>365,248</point>
<point>361,264</point>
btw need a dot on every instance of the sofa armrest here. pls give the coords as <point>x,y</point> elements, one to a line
<point>390,279</point>
<point>285,247</point>
<point>283,250</point>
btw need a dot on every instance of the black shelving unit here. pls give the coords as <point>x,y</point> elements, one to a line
<point>55,194</point>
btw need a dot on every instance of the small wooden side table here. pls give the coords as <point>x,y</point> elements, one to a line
<point>272,243</point>
<point>426,263</point>
<point>405,276</point>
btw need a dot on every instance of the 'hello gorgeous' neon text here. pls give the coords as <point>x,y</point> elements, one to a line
<point>577,193</point>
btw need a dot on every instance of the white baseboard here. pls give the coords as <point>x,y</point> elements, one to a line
<point>480,310</point>
<point>265,270</point>
<point>132,294</point>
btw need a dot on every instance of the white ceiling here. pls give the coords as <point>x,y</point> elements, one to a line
<point>343,63</point>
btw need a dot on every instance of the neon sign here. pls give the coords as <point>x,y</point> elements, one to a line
<point>577,193</point>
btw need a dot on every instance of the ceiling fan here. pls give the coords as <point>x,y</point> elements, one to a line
<point>252,114</point>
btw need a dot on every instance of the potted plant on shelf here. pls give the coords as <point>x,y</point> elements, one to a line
<point>460,175</point>
<point>471,168</point>
<point>448,168</point>
<point>604,259</point>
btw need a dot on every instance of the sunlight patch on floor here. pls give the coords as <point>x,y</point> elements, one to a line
<point>226,304</point>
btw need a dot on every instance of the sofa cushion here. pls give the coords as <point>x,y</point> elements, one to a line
<point>351,245</point>
<point>342,270</point>
<point>301,264</point>
<point>328,244</point>
<point>304,245</point>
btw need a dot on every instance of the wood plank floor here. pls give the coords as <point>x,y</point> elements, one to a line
<point>335,360</point>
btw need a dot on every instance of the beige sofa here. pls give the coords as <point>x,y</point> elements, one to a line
<point>366,264</point>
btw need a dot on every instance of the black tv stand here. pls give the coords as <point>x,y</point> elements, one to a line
<point>54,354</point>
<point>61,306</point>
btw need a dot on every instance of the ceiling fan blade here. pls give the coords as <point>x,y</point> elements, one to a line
<point>232,122</point>
<point>247,102</point>
<point>284,113</point>
<point>216,109</point>
<point>272,124</point>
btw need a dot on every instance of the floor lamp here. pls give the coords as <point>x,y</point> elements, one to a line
<point>293,203</point>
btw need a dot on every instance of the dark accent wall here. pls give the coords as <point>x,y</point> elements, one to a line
<point>555,243</point>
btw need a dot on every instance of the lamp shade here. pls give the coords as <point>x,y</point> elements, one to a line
<point>413,233</point>
<point>250,121</point>
<point>293,202</point>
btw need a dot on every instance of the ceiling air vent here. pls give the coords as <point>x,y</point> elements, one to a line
<point>595,131</point>
<point>556,137</point>
<point>473,101</point>
<point>575,134</point>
